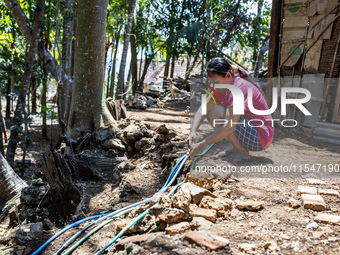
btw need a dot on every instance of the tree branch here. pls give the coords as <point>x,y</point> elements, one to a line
<point>27,29</point>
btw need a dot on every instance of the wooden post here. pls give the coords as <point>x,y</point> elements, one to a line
<point>273,55</point>
<point>329,81</point>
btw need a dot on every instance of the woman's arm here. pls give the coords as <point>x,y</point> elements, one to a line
<point>219,134</point>
<point>198,119</point>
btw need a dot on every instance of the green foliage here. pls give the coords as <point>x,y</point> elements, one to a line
<point>20,130</point>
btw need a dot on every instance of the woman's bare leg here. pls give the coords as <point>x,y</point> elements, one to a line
<point>218,112</point>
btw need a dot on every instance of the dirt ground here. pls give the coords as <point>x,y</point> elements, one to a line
<point>276,221</point>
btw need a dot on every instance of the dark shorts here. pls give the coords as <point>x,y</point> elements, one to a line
<point>248,135</point>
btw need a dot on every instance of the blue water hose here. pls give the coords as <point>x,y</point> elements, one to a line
<point>102,217</point>
<point>170,180</point>
<point>64,230</point>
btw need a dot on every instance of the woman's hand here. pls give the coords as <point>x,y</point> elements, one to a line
<point>195,149</point>
<point>191,139</point>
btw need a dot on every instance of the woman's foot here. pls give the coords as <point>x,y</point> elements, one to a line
<point>225,153</point>
<point>238,158</point>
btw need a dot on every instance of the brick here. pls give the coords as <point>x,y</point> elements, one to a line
<point>207,239</point>
<point>294,203</point>
<point>178,229</point>
<point>208,214</point>
<point>306,190</point>
<point>314,202</point>
<point>329,192</point>
<point>315,181</point>
<point>327,218</point>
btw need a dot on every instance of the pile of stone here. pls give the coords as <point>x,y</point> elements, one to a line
<point>312,198</point>
<point>189,214</point>
<point>130,137</point>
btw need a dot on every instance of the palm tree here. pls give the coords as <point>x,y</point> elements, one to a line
<point>10,183</point>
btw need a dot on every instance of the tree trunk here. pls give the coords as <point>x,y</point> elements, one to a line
<point>167,66</point>
<point>113,73</point>
<point>140,64</point>
<point>8,93</point>
<point>148,60</point>
<point>134,66</point>
<point>275,25</point>
<point>27,30</point>
<point>88,105</point>
<point>66,59</point>
<point>264,48</point>
<point>25,81</point>
<point>173,64</point>
<point>44,108</point>
<point>10,183</point>
<point>121,76</point>
<point>34,95</point>
<point>1,131</point>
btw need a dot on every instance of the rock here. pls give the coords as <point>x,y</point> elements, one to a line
<point>132,248</point>
<point>329,192</point>
<point>150,102</point>
<point>36,227</point>
<point>272,246</point>
<point>38,182</point>
<point>247,248</point>
<point>33,195</point>
<point>207,239</point>
<point>275,221</point>
<point>285,237</point>
<point>178,229</point>
<point>126,188</point>
<point>112,153</point>
<point>234,213</point>
<point>162,199</point>
<point>160,138</point>
<point>248,204</point>
<point>114,143</point>
<point>144,143</point>
<point>312,226</point>
<point>220,204</point>
<point>104,133</point>
<point>208,214</point>
<point>315,181</point>
<point>314,202</point>
<point>139,102</point>
<point>120,135</point>
<point>200,223</point>
<point>294,203</point>
<point>223,193</point>
<point>136,239</point>
<point>327,218</point>
<point>132,133</point>
<point>168,215</point>
<point>182,199</point>
<point>172,133</point>
<point>206,183</point>
<point>318,234</point>
<point>197,193</point>
<point>306,190</point>
<point>48,224</point>
<point>162,129</point>
<point>141,226</point>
